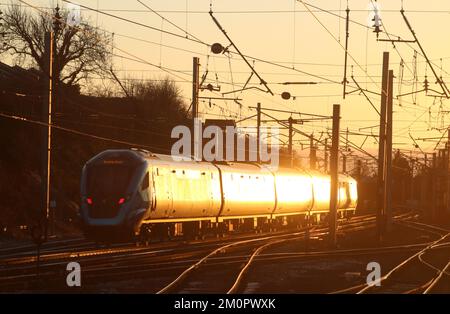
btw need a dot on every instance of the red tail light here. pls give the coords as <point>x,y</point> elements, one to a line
<point>89,200</point>
<point>121,200</point>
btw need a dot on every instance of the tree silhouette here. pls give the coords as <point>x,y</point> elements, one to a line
<point>160,100</point>
<point>402,178</point>
<point>81,49</point>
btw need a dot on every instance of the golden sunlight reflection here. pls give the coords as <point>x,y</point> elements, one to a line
<point>294,188</point>
<point>321,189</point>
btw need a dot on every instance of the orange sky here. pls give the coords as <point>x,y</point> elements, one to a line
<point>284,32</point>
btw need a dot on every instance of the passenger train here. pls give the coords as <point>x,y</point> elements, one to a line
<point>133,193</point>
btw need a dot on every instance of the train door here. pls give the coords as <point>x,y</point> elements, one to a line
<point>144,191</point>
<point>343,195</point>
<point>163,195</point>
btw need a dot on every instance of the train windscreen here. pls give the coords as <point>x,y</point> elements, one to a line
<point>105,181</point>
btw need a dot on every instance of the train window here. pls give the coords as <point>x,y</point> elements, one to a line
<point>146,182</point>
<point>108,180</point>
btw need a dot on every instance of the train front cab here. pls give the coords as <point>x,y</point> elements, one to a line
<point>115,195</point>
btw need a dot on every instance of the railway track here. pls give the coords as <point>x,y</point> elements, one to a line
<point>118,261</point>
<point>19,272</point>
<point>78,247</point>
<point>165,261</point>
<point>239,284</point>
<point>53,245</point>
<point>422,272</point>
<point>199,276</point>
<point>182,279</point>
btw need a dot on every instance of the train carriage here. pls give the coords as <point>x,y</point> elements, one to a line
<point>294,191</point>
<point>184,190</point>
<point>248,191</point>
<point>127,192</point>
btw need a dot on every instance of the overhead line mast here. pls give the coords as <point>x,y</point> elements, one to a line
<point>345,81</point>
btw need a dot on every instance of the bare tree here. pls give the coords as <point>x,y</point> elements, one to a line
<point>81,49</point>
<point>159,98</point>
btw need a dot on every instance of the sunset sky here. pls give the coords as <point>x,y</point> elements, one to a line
<point>285,33</point>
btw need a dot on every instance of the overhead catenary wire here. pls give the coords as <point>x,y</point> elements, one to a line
<point>133,22</point>
<point>170,22</point>
<point>134,57</point>
<point>307,73</point>
<point>76,132</point>
<point>168,70</point>
<point>299,96</point>
<point>245,11</point>
<point>339,43</point>
<point>203,43</point>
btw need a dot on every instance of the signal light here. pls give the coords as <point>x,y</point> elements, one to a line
<point>121,200</point>
<point>89,200</point>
